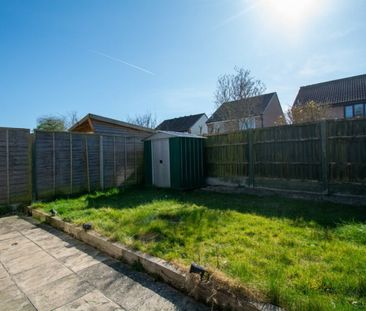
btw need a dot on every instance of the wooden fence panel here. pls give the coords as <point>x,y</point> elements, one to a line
<point>94,162</point>
<point>287,152</point>
<point>109,155</point>
<point>346,150</point>
<point>62,164</point>
<point>79,164</point>
<point>226,155</point>
<point>327,157</point>
<point>72,163</point>
<point>121,160</point>
<point>131,165</point>
<point>139,156</point>
<point>15,166</point>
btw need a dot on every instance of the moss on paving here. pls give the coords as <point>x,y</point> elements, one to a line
<point>298,254</point>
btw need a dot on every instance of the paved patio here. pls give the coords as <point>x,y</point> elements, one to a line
<point>44,269</point>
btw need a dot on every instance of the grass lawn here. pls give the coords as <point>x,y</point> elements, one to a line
<point>298,254</point>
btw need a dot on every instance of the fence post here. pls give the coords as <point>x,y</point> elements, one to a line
<point>114,162</point>
<point>34,167</point>
<point>101,162</point>
<point>71,163</point>
<point>87,162</point>
<point>125,160</point>
<point>30,166</point>
<point>54,163</point>
<point>134,161</point>
<point>250,159</point>
<point>7,168</point>
<point>323,156</point>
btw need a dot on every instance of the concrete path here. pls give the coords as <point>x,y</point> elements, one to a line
<point>44,269</point>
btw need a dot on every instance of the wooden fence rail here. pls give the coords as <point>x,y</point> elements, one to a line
<point>326,157</point>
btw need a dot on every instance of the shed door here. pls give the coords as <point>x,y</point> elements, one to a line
<point>160,163</point>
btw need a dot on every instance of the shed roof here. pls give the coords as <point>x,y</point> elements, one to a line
<point>90,116</point>
<point>170,134</point>
<point>251,106</point>
<point>334,92</point>
<point>181,124</point>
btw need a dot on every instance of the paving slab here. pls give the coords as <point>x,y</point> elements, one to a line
<point>9,235</point>
<point>59,292</point>
<point>94,301</point>
<point>24,261</point>
<point>11,298</point>
<point>81,260</point>
<point>5,228</point>
<point>44,269</point>
<point>20,304</point>
<point>27,248</point>
<point>120,288</point>
<point>15,243</point>
<point>41,275</point>
<point>70,250</point>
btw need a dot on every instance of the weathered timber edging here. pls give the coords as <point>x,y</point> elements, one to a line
<point>220,295</point>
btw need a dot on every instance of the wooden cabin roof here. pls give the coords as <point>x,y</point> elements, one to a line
<point>92,123</point>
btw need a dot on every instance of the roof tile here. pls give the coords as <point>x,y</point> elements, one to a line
<point>252,106</point>
<point>340,91</point>
<point>182,124</point>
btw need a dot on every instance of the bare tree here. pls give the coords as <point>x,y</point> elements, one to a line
<point>71,118</point>
<point>146,120</point>
<point>233,87</point>
<point>240,85</point>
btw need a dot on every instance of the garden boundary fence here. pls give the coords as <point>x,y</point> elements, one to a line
<point>70,163</point>
<point>44,164</point>
<point>325,157</point>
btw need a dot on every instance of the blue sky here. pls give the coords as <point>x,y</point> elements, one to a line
<point>119,58</point>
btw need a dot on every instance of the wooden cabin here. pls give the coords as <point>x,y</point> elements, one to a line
<point>92,123</point>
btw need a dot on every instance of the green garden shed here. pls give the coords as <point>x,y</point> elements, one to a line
<point>174,160</point>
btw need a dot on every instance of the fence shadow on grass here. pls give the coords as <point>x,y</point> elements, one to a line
<point>322,213</point>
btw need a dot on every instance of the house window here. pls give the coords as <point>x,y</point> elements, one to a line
<point>358,110</point>
<point>348,112</point>
<point>216,128</point>
<point>354,111</point>
<point>247,123</point>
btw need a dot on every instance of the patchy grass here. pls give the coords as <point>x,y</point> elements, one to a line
<point>298,254</point>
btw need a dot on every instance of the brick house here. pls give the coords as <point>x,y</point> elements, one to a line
<point>346,97</point>
<point>253,112</point>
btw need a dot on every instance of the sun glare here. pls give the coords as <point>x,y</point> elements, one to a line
<point>291,14</point>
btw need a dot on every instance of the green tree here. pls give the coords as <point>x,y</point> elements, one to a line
<point>57,123</point>
<point>51,123</point>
